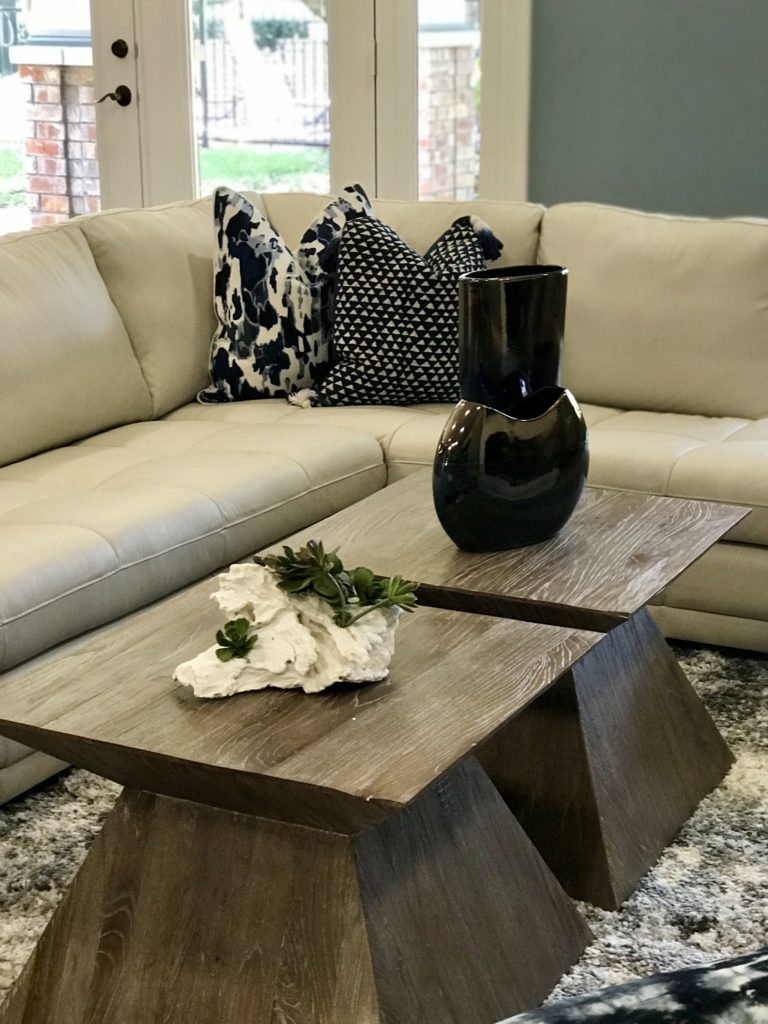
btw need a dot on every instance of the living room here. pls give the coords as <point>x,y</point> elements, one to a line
<point>532,230</point>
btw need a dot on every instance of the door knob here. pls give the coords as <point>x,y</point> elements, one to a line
<point>122,96</point>
<point>120,48</point>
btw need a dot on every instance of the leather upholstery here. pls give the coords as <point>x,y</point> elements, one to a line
<point>408,435</point>
<point>92,531</point>
<point>515,224</point>
<point>664,313</point>
<point>157,266</point>
<point>60,369</point>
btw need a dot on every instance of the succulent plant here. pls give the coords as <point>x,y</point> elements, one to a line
<point>353,594</point>
<point>235,640</point>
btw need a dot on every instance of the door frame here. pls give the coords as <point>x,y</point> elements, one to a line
<point>118,131</point>
<point>373,70</point>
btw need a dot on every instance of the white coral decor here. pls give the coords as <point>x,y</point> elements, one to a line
<point>299,646</point>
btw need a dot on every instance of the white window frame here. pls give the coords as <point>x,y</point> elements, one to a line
<point>505,98</point>
<point>373,57</point>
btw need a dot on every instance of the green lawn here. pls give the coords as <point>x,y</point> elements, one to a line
<point>11,176</point>
<point>259,170</point>
<point>238,166</point>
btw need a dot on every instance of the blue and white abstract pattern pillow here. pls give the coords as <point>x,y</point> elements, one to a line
<point>271,305</point>
<point>396,319</point>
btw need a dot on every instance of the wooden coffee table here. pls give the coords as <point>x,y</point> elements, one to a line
<point>605,767</point>
<point>344,858</point>
<point>277,857</point>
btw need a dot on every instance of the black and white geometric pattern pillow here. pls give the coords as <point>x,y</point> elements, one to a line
<point>320,238</point>
<point>272,335</point>
<point>396,320</point>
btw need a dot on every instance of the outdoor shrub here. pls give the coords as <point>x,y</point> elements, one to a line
<point>268,33</point>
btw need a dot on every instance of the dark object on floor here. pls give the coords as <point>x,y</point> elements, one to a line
<point>512,461</point>
<point>733,991</point>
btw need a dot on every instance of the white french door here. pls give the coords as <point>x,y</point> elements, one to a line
<point>413,98</point>
<point>53,156</point>
<point>146,154</point>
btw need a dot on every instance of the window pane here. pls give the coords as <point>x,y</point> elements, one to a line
<point>449,98</point>
<point>261,94</point>
<point>48,162</point>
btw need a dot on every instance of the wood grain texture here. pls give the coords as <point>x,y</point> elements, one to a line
<point>617,552</point>
<point>340,760</point>
<point>540,765</point>
<point>184,914</point>
<point>604,770</point>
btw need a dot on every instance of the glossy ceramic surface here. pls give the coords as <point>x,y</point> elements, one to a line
<point>511,324</point>
<point>504,480</point>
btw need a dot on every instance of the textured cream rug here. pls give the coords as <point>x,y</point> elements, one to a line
<point>706,898</point>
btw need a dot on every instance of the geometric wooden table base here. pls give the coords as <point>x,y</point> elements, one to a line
<point>338,859</point>
<point>604,768</point>
<point>188,914</point>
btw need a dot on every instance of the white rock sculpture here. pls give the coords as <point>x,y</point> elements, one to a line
<point>299,646</point>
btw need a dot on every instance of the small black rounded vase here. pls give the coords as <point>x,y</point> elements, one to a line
<point>513,458</point>
<point>504,480</point>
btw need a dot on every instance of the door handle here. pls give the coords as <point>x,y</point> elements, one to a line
<point>122,96</point>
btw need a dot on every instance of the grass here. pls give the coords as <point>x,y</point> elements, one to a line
<point>11,162</point>
<point>239,166</point>
<point>11,177</point>
<point>259,170</point>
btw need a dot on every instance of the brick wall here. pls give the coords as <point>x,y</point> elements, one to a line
<point>61,165</point>
<point>448,128</point>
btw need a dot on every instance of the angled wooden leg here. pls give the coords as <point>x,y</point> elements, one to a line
<point>604,769</point>
<point>188,914</point>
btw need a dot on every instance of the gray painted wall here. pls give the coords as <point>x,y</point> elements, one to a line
<point>655,104</point>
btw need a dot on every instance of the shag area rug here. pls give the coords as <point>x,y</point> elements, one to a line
<point>707,898</point>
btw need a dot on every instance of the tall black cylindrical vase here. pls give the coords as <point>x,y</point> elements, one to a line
<point>512,460</point>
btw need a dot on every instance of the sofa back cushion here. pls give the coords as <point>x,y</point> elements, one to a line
<point>66,362</point>
<point>158,266</point>
<point>664,313</point>
<point>420,223</point>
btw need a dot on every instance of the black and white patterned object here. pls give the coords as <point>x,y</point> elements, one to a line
<point>731,991</point>
<point>272,334</point>
<point>396,319</point>
<point>320,239</point>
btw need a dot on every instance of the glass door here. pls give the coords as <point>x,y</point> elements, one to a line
<point>51,166</point>
<point>14,93</point>
<point>261,102</point>
<point>449,98</point>
<point>296,95</point>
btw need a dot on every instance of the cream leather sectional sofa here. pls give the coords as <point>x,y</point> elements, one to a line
<point>116,488</point>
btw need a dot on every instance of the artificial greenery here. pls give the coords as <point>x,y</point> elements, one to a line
<point>235,640</point>
<point>351,593</point>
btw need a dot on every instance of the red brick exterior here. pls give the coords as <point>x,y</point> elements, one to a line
<point>61,164</point>
<point>448,129</point>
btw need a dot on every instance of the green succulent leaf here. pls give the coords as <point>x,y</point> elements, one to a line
<point>352,595</point>
<point>235,639</point>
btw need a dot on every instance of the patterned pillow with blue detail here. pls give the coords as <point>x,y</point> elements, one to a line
<point>396,313</point>
<point>272,307</point>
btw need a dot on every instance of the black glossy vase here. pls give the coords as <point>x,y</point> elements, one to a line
<point>513,458</point>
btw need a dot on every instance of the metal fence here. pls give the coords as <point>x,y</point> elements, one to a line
<point>306,66</point>
<point>228,107</point>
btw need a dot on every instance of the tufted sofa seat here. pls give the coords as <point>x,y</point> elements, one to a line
<point>116,488</point>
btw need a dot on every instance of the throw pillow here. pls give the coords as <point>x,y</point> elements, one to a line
<point>271,305</point>
<point>396,321</point>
